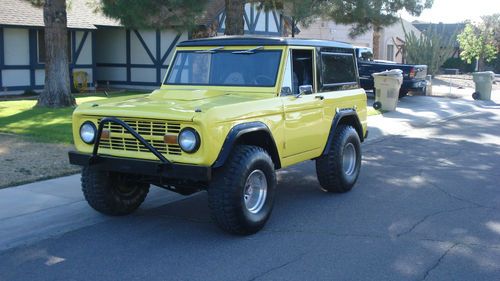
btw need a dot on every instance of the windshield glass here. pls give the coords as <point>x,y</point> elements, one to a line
<point>225,68</point>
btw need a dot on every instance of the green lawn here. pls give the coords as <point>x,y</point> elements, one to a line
<point>42,124</point>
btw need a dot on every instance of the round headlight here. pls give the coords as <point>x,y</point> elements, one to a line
<point>189,140</point>
<point>88,132</point>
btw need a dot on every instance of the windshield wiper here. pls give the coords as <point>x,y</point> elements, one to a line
<point>213,50</point>
<point>249,51</point>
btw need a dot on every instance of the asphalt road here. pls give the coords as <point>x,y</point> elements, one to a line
<point>426,207</point>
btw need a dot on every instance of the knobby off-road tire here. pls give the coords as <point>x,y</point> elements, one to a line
<point>339,169</point>
<point>241,194</point>
<point>111,194</point>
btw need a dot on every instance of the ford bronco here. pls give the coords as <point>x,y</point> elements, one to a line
<point>230,112</point>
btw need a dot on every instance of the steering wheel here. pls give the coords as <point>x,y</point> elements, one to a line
<point>262,80</point>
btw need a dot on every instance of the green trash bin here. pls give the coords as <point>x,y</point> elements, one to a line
<point>484,81</point>
<point>387,85</point>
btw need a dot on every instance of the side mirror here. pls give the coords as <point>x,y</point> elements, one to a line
<point>285,91</point>
<point>305,90</point>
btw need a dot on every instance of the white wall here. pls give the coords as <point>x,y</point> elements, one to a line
<point>329,30</point>
<point>85,56</point>
<point>16,52</point>
<point>15,77</point>
<point>16,46</point>
<point>111,48</point>
<point>110,45</point>
<point>138,54</point>
<point>393,32</point>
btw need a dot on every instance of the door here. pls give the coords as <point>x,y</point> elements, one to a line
<point>303,112</point>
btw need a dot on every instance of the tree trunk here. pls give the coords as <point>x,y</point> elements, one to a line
<point>376,42</point>
<point>480,64</point>
<point>234,17</point>
<point>57,91</point>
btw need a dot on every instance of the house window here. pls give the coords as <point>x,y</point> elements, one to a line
<point>41,46</point>
<point>390,52</point>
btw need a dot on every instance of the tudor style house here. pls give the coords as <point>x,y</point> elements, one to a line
<point>100,47</point>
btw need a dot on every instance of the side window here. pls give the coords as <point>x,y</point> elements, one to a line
<point>302,69</point>
<point>337,69</point>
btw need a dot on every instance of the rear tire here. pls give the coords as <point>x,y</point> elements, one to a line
<point>338,171</point>
<point>403,93</point>
<point>241,195</point>
<point>110,193</point>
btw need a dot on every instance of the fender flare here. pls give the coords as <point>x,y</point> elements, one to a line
<point>343,113</point>
<point>234,134</point>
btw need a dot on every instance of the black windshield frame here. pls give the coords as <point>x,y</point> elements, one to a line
<point>275,74</point>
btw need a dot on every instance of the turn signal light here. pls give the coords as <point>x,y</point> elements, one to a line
<point>105,134</point>
<point>170,139</point>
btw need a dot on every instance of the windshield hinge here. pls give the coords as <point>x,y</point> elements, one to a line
<point>249,51</point>
<point>213,50</point>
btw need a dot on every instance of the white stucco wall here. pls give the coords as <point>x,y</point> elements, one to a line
<point>143,75</point>
<point>329,30</point>
<point>16,46</point>
<point>16,52</point>
<point>111,73</point>
<point>167,37</point>
<point>110,45</point>
<point>393,32</point>
<point>138,54</point>
<point>85,56</point>
<point>15,77</point>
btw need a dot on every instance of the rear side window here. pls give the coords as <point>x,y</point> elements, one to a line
<point>337,69</point>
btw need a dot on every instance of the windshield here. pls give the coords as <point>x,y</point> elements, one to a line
<point>225,68</point>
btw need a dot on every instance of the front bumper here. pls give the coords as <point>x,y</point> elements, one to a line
<point>142,167</point>
<point>162,169</point>
<point>414,85</point>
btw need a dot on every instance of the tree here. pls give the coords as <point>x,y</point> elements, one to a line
<point>428,48</point>
<point>492,23</point>
<point>234,22</point>
<point>57,91</point>
<point>372,14</point>
<point>179,14</point>
<point>302,12</point>
<point>477,43</point>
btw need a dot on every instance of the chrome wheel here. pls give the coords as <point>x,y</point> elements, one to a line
<point>349,159</point>
<point>255,192</point>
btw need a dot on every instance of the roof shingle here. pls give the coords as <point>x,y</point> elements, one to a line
<point>81,14</point>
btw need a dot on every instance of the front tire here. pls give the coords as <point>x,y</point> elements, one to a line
<point>111,193</point>
<point>241,195</point>
<point>338,170</point>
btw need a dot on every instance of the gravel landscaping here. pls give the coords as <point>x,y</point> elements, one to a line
<point>24,160</point>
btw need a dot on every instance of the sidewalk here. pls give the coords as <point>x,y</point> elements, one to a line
<point>49,208</point>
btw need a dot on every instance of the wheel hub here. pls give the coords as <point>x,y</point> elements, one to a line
<point>349,159</point>
<point>255,191</point>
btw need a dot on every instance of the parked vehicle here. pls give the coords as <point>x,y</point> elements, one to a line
<point>231,111</point>
<point>413,75</point>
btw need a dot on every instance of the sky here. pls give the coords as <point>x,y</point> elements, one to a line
<point>452,11</point>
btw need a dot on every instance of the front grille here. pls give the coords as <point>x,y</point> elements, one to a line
<point>152,131</point>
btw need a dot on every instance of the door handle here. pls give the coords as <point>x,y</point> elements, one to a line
<point>319,97</point>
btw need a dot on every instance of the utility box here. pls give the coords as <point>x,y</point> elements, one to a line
<point>387,85</point>
<point>484,83</point>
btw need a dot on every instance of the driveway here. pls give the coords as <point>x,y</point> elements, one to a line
<point>426,207</point>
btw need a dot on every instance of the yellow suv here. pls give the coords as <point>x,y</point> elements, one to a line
<point>230,112</point>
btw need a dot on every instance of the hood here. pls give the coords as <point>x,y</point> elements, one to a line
<point>166,104</point>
